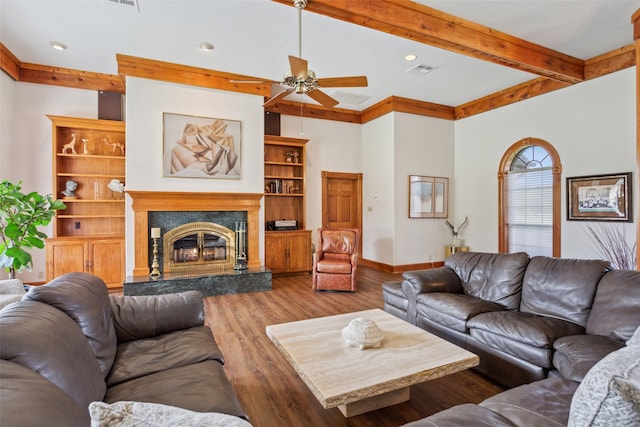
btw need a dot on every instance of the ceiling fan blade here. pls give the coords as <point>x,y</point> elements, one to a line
<point>277,97</point>
<point>298,67</point>
<point>251,81</point>
<point>353,81</point>
<point>323,98</point>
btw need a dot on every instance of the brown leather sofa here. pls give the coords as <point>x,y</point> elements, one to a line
<point>524,317</point>
<point>539,324</point>
<point>69,343</point>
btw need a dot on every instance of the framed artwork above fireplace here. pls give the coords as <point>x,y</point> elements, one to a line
<point>201,147</point>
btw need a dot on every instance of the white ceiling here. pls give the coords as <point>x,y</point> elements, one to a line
<point>254,37</point>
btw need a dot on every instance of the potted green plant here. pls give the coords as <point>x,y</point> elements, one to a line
<point>20,217</point>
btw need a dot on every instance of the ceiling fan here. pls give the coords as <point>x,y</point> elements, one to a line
<point>301,80</point>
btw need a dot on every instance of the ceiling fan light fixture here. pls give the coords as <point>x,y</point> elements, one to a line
<point>58,45</point>
<point>206,46</point>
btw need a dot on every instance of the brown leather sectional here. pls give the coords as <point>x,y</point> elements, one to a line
<point>69,343</point>
<point>538,324</point>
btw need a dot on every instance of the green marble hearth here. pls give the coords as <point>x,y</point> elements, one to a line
<point>230,282</point>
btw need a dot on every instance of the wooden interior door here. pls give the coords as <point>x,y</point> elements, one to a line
<point>342,201</point>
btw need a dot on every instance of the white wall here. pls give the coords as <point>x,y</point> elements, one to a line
<point>423,146</point>
<point>592,126</point>
<point>147,100</point>
<point>333,147</point>
<point>25,140</point>
<point>378,183</point>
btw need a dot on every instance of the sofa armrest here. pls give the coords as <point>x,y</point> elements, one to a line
<point>417,282</point>
<point>137,317</point>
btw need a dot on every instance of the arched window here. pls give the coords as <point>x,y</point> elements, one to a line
<point>529,187</point>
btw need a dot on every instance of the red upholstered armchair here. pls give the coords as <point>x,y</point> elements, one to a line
<point>336,260</point>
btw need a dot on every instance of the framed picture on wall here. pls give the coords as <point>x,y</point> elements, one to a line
<point>428,196</point>
<point>600,198</point>
<point>201,147</point>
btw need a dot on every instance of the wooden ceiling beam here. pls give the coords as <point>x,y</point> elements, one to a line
<point>183,74</point>
<point>313,111</point>
<point>429,26</point>
<point>9,63</point>
<point>406,105</point>
<point>44,74</point>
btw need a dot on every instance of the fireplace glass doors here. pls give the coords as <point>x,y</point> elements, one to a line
<point>199,247</point>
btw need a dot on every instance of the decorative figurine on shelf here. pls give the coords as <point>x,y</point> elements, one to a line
<point>69,191</point>
<point>116,187</point>
<point>456,233</point>
<point>71,145</point>
<point>292,156</point>
<point>115,145</point>
<point>85,150</point>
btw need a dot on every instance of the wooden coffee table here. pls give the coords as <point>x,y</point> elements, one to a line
<point>358,381</point>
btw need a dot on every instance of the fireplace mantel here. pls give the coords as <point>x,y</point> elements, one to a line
<point>146,201</point>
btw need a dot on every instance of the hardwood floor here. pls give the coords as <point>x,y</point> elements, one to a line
<point>270,390</point>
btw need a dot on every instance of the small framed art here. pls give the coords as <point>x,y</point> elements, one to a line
<point>428,196</point>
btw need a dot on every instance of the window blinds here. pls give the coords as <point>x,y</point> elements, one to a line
<point>530,206</point>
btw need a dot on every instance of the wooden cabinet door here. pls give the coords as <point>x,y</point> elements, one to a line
<point>107,261</point>
<point>66,256</point>
<point>299,252</point>
<point>275,256</point>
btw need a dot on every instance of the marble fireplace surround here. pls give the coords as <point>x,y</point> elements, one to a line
<point>149,201</point>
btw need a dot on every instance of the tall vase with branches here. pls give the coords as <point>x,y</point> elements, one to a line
<point>612,245</point>
<point>455,231</point>
<point>21,215</point>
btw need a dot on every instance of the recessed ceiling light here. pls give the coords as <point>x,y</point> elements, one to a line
<point>207,47</point>
<point>410,57</point>
<point>58,45</point>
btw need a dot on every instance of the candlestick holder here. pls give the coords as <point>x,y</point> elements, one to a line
<point>155,273</point>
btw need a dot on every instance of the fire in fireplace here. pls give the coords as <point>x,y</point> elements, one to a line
<point>199,247</point>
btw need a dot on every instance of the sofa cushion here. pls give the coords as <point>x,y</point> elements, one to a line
<point>146,316</point>
<point>20,387</point>
<point>491,276</point>
<point>452,310</point>
<point>575,354</point>
<point>126,414</point>
<point>540,403</point>
<point>562,288</point>
<point>618,292</point>
<point>46,340</point>
<point>168,351</point>
<point>194,381</point>
<point>465,415</point>
<point>609,395</point>
<point>338,241</point>
<point>395,301</point>
<point>523,335</point>
<point>334,265</point>
<point>85,299</point>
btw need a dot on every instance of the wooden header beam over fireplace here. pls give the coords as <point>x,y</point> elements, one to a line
<point>162,201</point>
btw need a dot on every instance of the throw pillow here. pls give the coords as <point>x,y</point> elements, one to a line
<point>143,414</point>
<point>635,338</point>
<point>609,395</point>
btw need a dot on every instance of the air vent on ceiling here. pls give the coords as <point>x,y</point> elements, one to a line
<point>421,69</point>
<point>349,97</point>
<point>126,4</point>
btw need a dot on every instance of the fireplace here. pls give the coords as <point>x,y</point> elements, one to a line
<point>175,209</point>
<point>197,263</point>
<point>199,247</point>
